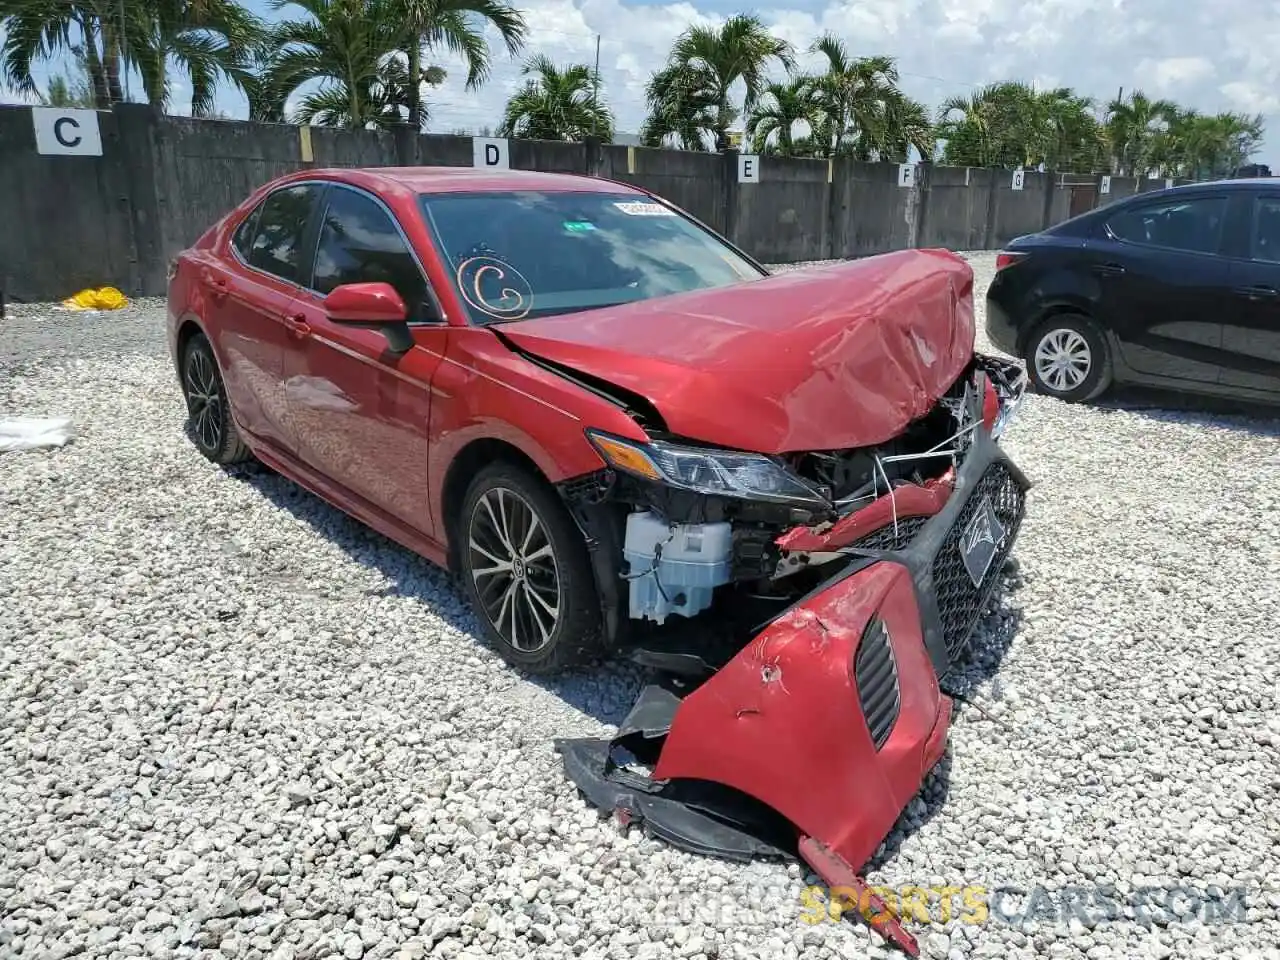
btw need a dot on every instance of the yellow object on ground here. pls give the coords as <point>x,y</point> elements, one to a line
<point>103,298</point>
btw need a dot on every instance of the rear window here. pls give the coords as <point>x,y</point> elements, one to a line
<point>527,254</point>
<point>1194,225</point>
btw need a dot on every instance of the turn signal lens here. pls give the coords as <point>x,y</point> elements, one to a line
<point>625,457</point>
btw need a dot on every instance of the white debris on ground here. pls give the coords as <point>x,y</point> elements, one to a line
<point>237,724</point>
<point>34,433</point>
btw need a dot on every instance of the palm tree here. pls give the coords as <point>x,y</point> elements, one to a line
<point>1134,127</point>
<point>458,27</point>
<point>904,123</point>
<point>1070,138</point>
<point>353,49</point>
<point>42,29</point>
<point>684,108</point>
<point>780,108</point>
<point>557,104</point>
<point>208,39</point>
<point>1200,146</point>
<point>988,128</point>
<point>72,89</point>
<point>693,92</point>
<point>855,94</point>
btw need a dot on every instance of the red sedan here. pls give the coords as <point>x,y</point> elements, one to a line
<point>622,432</point>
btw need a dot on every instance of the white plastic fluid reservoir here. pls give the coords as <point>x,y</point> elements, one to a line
<point>674,568</point>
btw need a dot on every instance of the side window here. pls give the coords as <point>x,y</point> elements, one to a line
<point>1266,230</point>
<point>243,236</point>
<point>360,244</point>
<point>282,223</point>
<point>1194,225</point>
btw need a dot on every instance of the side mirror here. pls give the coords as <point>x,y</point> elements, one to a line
<point>376,305</point>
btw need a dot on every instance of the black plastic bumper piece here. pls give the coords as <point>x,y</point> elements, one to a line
<point>673,812</point>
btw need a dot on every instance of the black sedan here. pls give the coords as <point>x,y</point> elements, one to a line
<point>1177,289</point>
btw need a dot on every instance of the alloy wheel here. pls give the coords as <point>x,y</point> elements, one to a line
<point>1063,359</point>
<point>204,399</point>
<point>514,570</point>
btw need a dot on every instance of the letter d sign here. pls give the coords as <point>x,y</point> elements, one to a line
<point>489,153</point>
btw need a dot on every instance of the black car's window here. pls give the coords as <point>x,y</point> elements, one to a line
<point>359,243</point>
<point>1185,224</point>
<point>277,244</point>
<point>529,254</point>
<point>1266,230</point>
<point>243,238</point>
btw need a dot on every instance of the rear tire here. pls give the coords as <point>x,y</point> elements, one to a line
<point>212,428</point>
<point>1067,357</point>
<point>525,569</point>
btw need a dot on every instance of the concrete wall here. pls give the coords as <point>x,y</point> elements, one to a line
<point>696,182</point>
<point>785,217</point>
<point>161,181</point>
<point>957,208</point>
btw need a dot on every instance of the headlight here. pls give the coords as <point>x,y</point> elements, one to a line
<point>726,473</point>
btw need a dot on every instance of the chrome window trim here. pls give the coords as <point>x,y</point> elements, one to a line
<point>435,300</point>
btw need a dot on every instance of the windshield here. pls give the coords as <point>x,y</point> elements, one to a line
<point>522,255</point>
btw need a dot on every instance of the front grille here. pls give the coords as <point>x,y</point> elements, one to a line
<point>885,539</point>
<point>960,603</point>
<point>877,678</point>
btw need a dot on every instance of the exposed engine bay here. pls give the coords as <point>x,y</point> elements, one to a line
<point>800,606</point>
<point>748,552</point>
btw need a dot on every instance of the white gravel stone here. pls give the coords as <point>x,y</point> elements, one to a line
<point>236,723</point>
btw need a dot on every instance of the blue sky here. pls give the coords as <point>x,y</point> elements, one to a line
<point>1200,54</point>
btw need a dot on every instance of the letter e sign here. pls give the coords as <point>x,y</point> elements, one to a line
<point>489,153</point>
<point>71,133</point>
<point>748,168</point>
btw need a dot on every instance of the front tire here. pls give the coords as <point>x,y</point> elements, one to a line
<point>208,410</point>
<point>1067,357</point>
<point>525,569</point>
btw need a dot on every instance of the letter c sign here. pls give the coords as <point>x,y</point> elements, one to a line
<point>72,133</point>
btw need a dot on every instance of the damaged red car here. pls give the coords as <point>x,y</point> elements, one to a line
<point>783,492</point>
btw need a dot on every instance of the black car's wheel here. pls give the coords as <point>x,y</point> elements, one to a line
<point>208,411</point>
<point>1067,358</point>
<point>525,568</point>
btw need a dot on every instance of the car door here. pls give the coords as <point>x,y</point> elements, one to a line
<point>250,295</point>
<point>1161,277</point>
<point>362,412</point>
<point>1251,341</point>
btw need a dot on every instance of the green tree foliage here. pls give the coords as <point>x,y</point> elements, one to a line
<point>691,100</point>
<point>557,104</point>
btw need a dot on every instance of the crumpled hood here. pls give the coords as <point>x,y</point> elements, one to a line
<point>820,359</point>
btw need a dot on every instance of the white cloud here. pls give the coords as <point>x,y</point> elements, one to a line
<point>1173,75</point>
<point>1247,97</point>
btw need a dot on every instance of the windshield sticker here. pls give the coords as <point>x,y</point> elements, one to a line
<point>578,226</point>
<point>495,288</point>
<point>641,209</point>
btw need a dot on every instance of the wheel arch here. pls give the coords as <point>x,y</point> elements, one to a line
<point>187,329</point>
<point>469,461</point>
<point>1056,309</point>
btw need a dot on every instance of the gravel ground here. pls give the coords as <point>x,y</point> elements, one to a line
<point>236,724</point>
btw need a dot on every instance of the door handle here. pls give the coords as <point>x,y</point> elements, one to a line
<point>217,285</point>
<point>297,325</point>
<point>1109,269</point>
<point>1260,292</point>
